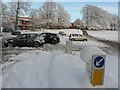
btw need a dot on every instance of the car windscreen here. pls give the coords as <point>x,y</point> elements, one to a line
<point>23,36</point>
<point>53,34</point>
<point>74,34</point>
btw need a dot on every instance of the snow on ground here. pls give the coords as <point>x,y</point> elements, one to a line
<point>63,40</point>
<point>105,35</point>
<point>44,69</point>
<point>67,31</point>
<point>0,60</point>
<point>54,69</point>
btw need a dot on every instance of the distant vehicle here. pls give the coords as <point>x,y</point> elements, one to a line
<point>5,29</point>
<point>50,38</point>
<point>16,33</point>
<point>77,37</point>
<point>62,33</point>
<point>28,39</point>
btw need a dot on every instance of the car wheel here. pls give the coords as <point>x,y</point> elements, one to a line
<point>36,44</point>
<point>10,45</point>
<point>85,39</point>
<point>72,39</point>
<point>53,42</point>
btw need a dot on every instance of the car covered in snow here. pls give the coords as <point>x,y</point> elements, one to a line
<point>77,37</point>
<point>50,38</point>
<point>26,39</point>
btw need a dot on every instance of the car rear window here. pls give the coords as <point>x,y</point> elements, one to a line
<point>50,34</point>
<point>74,34</point>
<point>33,35</point>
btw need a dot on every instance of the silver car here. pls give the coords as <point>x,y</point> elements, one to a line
<point>77,37</point>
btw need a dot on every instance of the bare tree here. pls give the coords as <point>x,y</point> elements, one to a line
<point>78,24</point>
<point>49,9</point>
<point>21,7</point>
<point>54,15</point>
<point>50,15</point>
<point>63,17</point>
<point>0,16</point>
<point>36,18</point>
<point>96,18</point>
<point>33,15</point>
<point>5,16</point>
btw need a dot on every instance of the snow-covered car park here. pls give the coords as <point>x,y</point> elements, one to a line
<point>50,67</point>
<point>105,35</point>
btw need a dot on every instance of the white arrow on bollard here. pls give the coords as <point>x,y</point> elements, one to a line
<point>98,63</point>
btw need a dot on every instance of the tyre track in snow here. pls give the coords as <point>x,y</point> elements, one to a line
<point>7,53</point>
<point>113,46</point>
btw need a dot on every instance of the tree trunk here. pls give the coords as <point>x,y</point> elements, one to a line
<point>33,25</point>
<point>17,12</point>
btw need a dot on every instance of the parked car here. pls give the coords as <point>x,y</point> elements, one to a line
<point>16,33</point>
<point>50,38</point>
<point>6,29</point>
<point>62,33</point>
<point>77,37</point>
<point>26,39</point>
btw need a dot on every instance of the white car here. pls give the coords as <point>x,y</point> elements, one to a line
<point>77,37</point>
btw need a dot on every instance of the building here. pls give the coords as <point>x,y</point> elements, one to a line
<point>24,23</point>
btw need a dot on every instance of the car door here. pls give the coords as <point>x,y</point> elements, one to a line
<point>21,40</point>
<point>81,37</point>
<point>77,37</point>
<point>30,38</point>
<point>49,38</point>
<point>46,37</point>
<point>74,36</point>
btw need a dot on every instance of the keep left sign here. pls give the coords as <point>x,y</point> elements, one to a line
<point>99,62</point>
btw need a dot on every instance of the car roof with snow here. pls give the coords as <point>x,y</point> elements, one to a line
<point>31,33</point>
<point>49,33</point>
<point>76,34</point>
